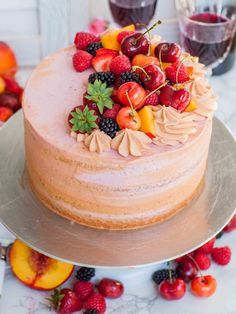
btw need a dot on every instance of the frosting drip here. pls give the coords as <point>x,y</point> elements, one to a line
<point>98,141</point>
<point>172,127</point>
<point>128,142</point>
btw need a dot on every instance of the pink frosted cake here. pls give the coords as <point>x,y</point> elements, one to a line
<point>116,138</point>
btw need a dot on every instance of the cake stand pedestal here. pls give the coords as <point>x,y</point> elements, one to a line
<point>57,237</point>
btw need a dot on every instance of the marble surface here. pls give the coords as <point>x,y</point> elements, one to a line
<point>141,296</point>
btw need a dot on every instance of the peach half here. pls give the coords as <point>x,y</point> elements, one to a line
<point>37,270</point>
<point>8,63</point>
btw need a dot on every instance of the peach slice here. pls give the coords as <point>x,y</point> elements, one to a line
<point>8,63</point>
<point>192,106</point>
<point>147,120</point>
<point>36,270</point>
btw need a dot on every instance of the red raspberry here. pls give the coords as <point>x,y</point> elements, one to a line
<point>120,64</point>
<point>171,73</point>
<point>207,247</point>
<point>203,260</point>
<point>124,34</point>
<point>221,255</point>
<point>97,302</point>
<point>112,113</point>
<point>231,225</point>
<point>83,289</point>
<point>152,100</point>
<point>81,60</point>
<point>82,40</point>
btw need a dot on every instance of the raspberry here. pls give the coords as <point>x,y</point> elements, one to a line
<point>171,73</point>
<point>120,64</point>
<point>85,273</point>
<point>83,289</point>
<point>123,35</point>
<point>112,113</point>
<point>96,302</point>
<point>231,225</point>
<point>81,60</point>
<point>82,40</point>
<point>202,260</point>
<point>152,100</point>
<point>221,255</point>
<point>207,247</point>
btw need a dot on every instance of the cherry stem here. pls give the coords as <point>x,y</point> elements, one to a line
<point>131,106</point>
<point>155,90</point>
<point>197,266</point>
<point>135,67</point>
<point>149,37</point>
<point>170,272</point>
<point>148,30</point>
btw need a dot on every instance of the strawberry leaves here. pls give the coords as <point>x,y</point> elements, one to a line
<point>84,120</point>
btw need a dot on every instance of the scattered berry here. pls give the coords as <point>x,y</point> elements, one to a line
<point>171,73</point>
<point>92,311</point>
<point>101,63</point>
<point>104,77</point>
<point>152,100</point>
<point>65,301</point>
<point>187,269</point>
<point>163,274</point>
<point>124,34</point>
<point>81,60</point>
<point>96,302</point>
<point>129,77</point>
<point>207,247</point>
<point>202,259</point>
<point>203,286</point>
<point>83,289</point>
<point>5,114</point>
<point>110,288</point>
<point>220,234</point>
<point>112,113</point>
<point>83,39</point>
<point>120,64</point>
<point>231,225</point>
<point>93,47</point>
<point>221,255</point>
<point>172,289</point>
<point>109,126</point>
<point>85,273</point>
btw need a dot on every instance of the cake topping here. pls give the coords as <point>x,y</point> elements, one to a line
<point>109,126</point>
<point>98,142</point>
<point>128,142</point>
<point>172,127</point>
<point>83,120</point>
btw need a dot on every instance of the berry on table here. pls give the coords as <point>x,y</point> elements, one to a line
<point>221,255</point>
<point>120,64</point>
<point>93,47</point>
<point>83,289</point>
<point>85,273</point>
<point>231,225</point>
<point>97,302</point>
<point>65,301</point>
<point>172,289</point>
<point>220,234</point>
<point>83,39</point>
<point>202,259</point>
<point>91,311</point>
<point>109,126</point>
<point>203,286</point>
<point>104,77</point>
<point>81,60</point>
<point>110,288</point>
<point>207,247</point>
<point>129,76</point>
<point>163,274</point>
<point>187,269</point>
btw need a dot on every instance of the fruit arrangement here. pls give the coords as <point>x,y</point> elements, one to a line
<point>10,90</point>
<point>134,76</point>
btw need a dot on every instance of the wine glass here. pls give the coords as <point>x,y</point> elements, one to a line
<point>127,12</point>
<point>207,29</point>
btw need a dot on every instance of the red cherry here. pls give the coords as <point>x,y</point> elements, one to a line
<point>178,99</point>
<point>203,286</point>
<point>110,288</point>
<point>136,95</point>
<point>186,269</point>
<point>152,76</point>
<point>169,52</point>
<point>172,290</point>
<point>135,44</point>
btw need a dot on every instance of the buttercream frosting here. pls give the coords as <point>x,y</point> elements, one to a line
<point>199,69</point>
<point>98,141</point>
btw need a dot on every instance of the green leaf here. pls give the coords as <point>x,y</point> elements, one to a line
<point>84,120</point>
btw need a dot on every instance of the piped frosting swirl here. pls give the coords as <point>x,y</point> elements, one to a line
<point>98,141</point>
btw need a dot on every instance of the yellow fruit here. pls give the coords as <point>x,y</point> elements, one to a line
<point>109,39</point>
<point>192,106</point>
<point>147,120</point>
<point>165,65</point>
<point>2,85</point>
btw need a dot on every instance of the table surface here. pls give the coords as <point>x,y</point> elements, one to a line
<point>141,296</point>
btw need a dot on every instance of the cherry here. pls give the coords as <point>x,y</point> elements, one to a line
<point>187,269</point>
<point>176,98</point>
<point>172,289</point>
<point>152,76</point>
<point>128,118</point>
<point>203,286</point>
<point>131,93</point>
<point>110,288</point>
<point>168,52</point>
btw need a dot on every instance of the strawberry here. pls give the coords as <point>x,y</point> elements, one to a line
<point>102,62</point>
<point>103,51</point>
<point>123,35</point>
<point>65,301</point>
<point>81,60</point>
<point>120,64</point>
<point>231,225</point>
<point>203,260</point>
<point>12,86</point>
<point>207,247</point>
<point>171,73</point>
<point>114,95</point>
<point>152,100</point>
<point>221,255</point>
<point>83,289</point>
<point>112,113</point>
<point>5,114</point>
<point>97,302</point>
<point>83,39</point>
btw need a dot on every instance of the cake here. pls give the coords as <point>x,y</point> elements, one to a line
<point>116,165</point>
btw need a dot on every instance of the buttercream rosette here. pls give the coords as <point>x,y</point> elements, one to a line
<point>98,141</point>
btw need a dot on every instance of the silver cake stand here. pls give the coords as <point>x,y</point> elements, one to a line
<point>57,237</point>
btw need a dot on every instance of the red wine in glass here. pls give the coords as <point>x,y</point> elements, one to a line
<point>127,12</point>
<point>210,50</point>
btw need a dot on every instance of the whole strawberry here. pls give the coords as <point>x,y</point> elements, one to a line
<point>221,255</point>
<point>120,64</point>
<point>97,302</point>
<point>112,113</point>
<point>207,247</point>
<point>177,73</point>
<point>65,301</point>
<point>83,289</point>
<point>81,60</point>
<point>110,288</point>
<point>83,39</point>
<point>203,260</point>
<point>152,100</point>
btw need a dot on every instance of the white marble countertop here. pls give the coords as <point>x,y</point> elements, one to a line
<point>140,296</point>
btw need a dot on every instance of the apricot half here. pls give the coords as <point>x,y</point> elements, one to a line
<point>37,270</point>
<point>8,63</point>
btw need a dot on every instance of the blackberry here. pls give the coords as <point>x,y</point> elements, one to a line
<point>163,274</point>
<point>220,234</point>
<point>92,48</point>
<point>85,273</point>
<point>91,311</point>
<point>130,77</point>
<point>109,126</point>
<point>104,77</point>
